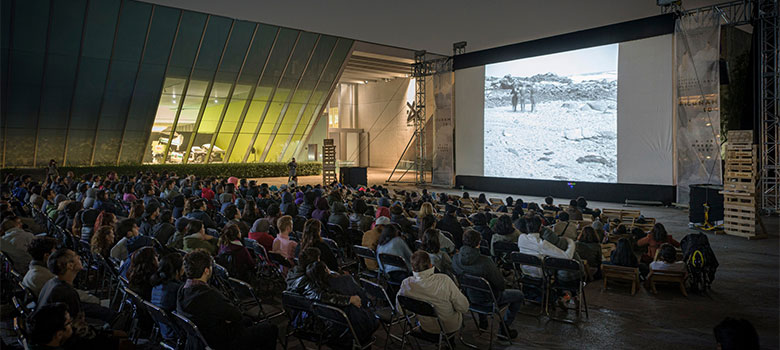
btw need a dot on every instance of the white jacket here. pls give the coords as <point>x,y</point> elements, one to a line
<point>532,244</point>
<point>439,290</point>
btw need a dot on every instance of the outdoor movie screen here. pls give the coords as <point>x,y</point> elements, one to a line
<point>553,117</point>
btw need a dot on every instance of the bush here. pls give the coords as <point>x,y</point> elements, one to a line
<point>253,170</point>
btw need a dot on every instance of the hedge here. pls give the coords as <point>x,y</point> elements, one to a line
<point>253,170</point>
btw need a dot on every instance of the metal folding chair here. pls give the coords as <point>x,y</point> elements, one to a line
<point>192,331</point>
<point>297,307</point>
<point>388,315</point>
<point>367,254</point>
<point>525,281</point>
<point>413,308</point>
<point>477,285</point>
<point>338,317</point>
<point>554,265</point>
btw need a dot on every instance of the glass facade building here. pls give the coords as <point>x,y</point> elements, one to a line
<point>88,82</point>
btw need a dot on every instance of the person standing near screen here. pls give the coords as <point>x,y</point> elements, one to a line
<point>522,98</point>
<point>293,166</point>
<point>514,100</point>
<point>531,97</point>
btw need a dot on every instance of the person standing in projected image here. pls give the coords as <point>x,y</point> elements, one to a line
<point>531,97</point>
<point>521,97</point>
<point>514,100</point>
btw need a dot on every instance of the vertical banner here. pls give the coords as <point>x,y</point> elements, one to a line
<point>697,48</point>
<point>443,131</point>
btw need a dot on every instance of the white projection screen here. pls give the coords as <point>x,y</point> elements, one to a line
<point>602,114</point>
<point>553,117</point>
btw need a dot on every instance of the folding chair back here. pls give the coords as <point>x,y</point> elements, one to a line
<point>366,254</point>
<point>192,331</point>
<point>574,267</point>
<point>479,285</point>
<point>338,317</point>
<point>164,321</point>
<point>411,307</point>
<point>296,306</point>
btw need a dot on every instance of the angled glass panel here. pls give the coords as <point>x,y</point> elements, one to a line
<point>188,39</point>
<point>301,96</point>
<point>5,39</point>
<point>294,70</point>
<point>28,45</point>
<point>63,56</point>
<point>270,76</point>
<point>185,127</point>
<point>208,125</point>
<point>147,86</point>
<point>163,121</point>
<point>133,23</point>
<point>235,52</point>
<point>320,95</point>
<point>101,23</point>
<point>211,49</point>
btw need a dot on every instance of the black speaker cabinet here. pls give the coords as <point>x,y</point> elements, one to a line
<point>353,176</point>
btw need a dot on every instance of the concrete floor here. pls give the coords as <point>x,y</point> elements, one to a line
<point>745,286</point>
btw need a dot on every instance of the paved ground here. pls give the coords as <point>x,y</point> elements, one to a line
<point>745,286</point>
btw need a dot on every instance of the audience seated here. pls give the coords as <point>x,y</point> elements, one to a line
<point>131,240</point>
<point>574,212</point>
<point>565,228</point>
<point>221,323</point>
<point>358,220</point>
<point>667,260</point>
<point>198,239</point>
<point>470,261</point>
<point>439,290</point>
<point>49,327</point>
<point>311,238</point>
<point>504,231</point>
<point>166,282</point>
<point>439,258</point>
<point>371,239</point>
<point>589,248</point>
<point>234,256</point>
<point>532,243</point>
<point>449,222</point>
<point>339,216</point>
<point>736,334</point>
<point>282,243</point>
<point>429,223</point>
<point>654,239</point>
<point>143,265</point>
<point>14,233</point>
<point>391,242</point>
<point>36,277</point>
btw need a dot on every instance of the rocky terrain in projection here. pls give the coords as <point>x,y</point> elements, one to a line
<point>570,135</point>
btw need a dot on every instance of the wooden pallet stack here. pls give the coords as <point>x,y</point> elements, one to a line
<point>740,201</point>
<point>328,162</point>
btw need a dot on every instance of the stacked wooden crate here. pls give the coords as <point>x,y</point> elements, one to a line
<point>740,200</point>
<point>328,162</point>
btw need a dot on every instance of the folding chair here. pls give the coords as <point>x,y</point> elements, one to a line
<point>388,315</point>
<point>501,251</point>
<point>297,308</point>
<point>523,279</point>
<point>20,328</point>
<point>338,317</point>
<point>484,247</point>
<point>366,254</point>
<point>419,308</point>
<point>554,265</point>
<point>192,331</point>
<point>480,286</point>
<point>395,261</point>
<point>136,302</point>
<point>249,300</point>
<point>344,262</point>
<point>163,321</point>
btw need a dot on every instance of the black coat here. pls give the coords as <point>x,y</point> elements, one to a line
<point>450,224</point>
<point>217,319</point>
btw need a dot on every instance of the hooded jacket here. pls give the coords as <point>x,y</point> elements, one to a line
<point>321,213</point>
<point>338,216</point>
<point>299,283</point>
<point>470,261</point>
<point>217,319</point>
<point>287,202</point>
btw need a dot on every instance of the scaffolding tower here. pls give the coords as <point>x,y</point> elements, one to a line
<point>763,15</point>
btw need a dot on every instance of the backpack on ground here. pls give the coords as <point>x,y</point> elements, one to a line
<point>700,261</point>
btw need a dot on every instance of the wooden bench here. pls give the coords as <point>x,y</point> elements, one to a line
<point>606,250</point>
<point>622,274</point>
<point>670,277</point>
<point>497,202</point>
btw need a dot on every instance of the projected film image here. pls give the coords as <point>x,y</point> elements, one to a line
<point>553,117</point>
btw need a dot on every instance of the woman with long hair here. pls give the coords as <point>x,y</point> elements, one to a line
<point>429,223</point>
<point>504,231</point>
<point>167,281</point>
<point>391,242</point>
<point>588,247</point>
<point>654,239</point>
<point>137,210</point>
<point>143,264</point>
<point>426,209</point>
<point>311,239</point>
<point>440,259</point>
<point>105,219</point>
<point>102,241</point>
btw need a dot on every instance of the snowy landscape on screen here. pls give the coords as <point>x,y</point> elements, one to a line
<point>553,117</point>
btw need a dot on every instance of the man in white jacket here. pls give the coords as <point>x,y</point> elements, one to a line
<point>437,289</point>
<point>533,244</point>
